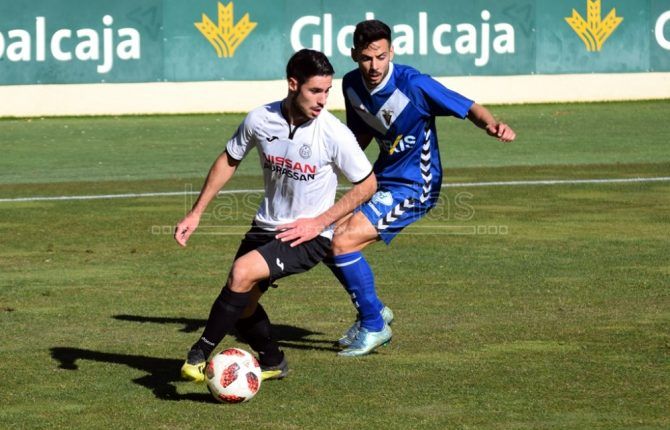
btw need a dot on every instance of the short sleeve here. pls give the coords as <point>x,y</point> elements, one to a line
<point>348,155</point>
<point>439,100</point>
<point>242,140</point>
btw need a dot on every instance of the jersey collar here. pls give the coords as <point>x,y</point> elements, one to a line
<point>382,84</point>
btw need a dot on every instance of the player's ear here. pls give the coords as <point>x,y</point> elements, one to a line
<point>293,85</point>
<point>354,55</point>
<point>391,53</point>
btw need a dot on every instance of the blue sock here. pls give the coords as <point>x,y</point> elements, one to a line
<point>355,274</point>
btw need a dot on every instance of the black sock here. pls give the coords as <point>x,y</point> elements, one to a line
<point>223,316</point>
<point>256,331</point>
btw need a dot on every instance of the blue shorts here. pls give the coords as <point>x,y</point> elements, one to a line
<point>395,206</point>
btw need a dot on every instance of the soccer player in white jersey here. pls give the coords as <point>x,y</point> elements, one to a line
<point>397,106</point>
<point>301,148</point>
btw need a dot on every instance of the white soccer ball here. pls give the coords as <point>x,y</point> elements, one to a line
<point>233,376</point>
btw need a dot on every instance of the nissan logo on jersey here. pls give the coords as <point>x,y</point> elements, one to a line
<point>289,168</point>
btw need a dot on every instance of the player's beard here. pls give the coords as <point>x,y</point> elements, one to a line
<point>374,78</point>
<point>297,112</point>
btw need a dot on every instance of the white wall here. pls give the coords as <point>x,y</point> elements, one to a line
<point>241,96</point>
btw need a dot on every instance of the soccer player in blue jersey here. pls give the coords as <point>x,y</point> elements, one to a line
<point>396,105</point>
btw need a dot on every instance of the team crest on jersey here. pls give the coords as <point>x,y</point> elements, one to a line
<point>383,197</point>
<point>305,151</point>
<point>387,114</point>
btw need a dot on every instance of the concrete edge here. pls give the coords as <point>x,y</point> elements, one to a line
<point>242,96</point>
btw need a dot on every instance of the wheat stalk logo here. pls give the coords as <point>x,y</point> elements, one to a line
<point>227,35</point>
<point>595,30</point>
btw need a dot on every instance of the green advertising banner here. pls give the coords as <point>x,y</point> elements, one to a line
<point>585,36</point>
<point>478,37</point>
<point>219,40</point>
<point>660,44</point>
<point>77,41</point>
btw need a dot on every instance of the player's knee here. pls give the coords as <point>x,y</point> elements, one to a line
<point>342,243</point>
<point>353,235</point>
<point>241,278</point>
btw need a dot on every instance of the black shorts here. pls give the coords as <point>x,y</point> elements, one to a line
<point>282,259</point>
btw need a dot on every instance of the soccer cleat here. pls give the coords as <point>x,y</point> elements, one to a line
<point>366,341</point>
<point>193,368</point>
<point>350,335</point>
<point>280,371</point>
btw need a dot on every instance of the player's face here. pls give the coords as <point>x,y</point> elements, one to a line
<point>310,97</point>
<point>373,61</point>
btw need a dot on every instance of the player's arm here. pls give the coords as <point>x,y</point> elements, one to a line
<point>221,171</point>
<point>305,229</point>
<point>482,118</point>
<point>363,140</point>
<point>435,99</point>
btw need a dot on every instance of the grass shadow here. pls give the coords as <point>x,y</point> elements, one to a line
<point>288,336</point>
<point>162,373</point>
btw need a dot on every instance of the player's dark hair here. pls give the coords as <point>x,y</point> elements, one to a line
<point>369,31</point>
<point>307,63</point>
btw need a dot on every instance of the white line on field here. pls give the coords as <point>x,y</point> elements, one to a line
<point>117,196</point>
<point>244,191</point>
<point>557,182</point>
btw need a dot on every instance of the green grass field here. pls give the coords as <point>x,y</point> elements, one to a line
<point>517,306</point>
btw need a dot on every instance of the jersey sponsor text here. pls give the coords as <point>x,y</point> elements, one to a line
<point>289,168</point>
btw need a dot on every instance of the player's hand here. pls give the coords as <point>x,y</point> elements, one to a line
<point>300,230</point>
<point>185,228</point>
<point>502,131</point>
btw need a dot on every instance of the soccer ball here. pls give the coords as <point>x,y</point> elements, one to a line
<point>233,376</point>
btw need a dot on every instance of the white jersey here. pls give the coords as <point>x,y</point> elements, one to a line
<point>300,165</point>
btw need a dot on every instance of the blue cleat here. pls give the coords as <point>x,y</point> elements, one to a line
<point>366,341</point>
<point>350,335</point>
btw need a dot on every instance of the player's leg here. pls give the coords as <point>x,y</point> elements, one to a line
<point>255,327</point>
<point>256,330</point>
<point>195,362</point>
<point>353,271</point>
<point>233,299</point>
<point>383,217</point>
<point>226,310</point>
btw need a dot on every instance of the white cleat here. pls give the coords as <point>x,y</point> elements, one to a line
<point>366,341</point>
<point>350,335</point>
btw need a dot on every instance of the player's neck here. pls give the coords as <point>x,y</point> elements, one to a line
<point>292,113</point>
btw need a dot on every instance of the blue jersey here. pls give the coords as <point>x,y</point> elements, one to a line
<point>400,113</point>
